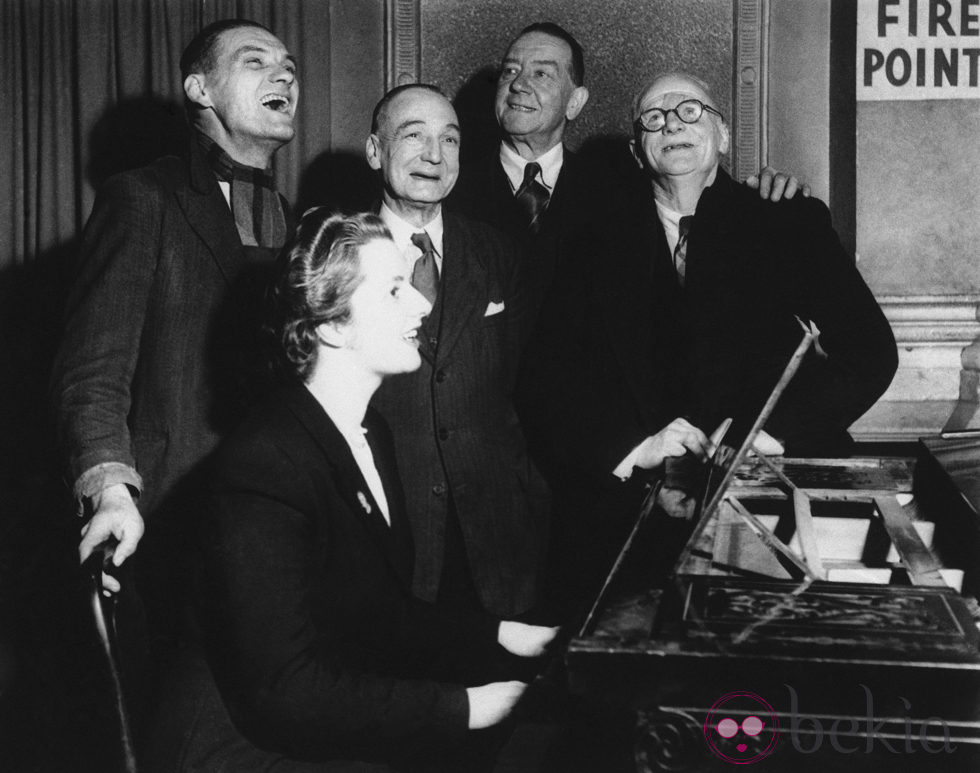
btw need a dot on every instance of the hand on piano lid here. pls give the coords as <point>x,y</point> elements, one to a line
<point>525,640</point>
<point>677,503</point>
<point>764,443</point>
<point>678,438</point>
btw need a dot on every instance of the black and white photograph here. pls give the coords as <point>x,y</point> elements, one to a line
<point>489,386</point>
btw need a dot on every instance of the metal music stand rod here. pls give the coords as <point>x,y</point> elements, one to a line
<point>809,336</point>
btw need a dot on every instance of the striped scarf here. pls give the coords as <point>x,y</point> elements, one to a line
<point>254,201</point>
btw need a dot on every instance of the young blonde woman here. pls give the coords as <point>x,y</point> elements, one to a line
<point>318,648</point>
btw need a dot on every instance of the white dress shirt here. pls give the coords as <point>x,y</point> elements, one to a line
<point>350,427</point>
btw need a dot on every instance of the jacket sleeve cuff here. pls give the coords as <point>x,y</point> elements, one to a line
<point>455,708</point>
<point>94,480</point>
<point>624,470</point>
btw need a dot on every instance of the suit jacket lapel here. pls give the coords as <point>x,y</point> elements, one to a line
<point>717,244</point>
<point>460,295</point>
<point>429,331</point>
<point>350,482</point>
<point>628,299</point>
<point>208,214</point>
<point>567,179</point>
<point>403,554</point>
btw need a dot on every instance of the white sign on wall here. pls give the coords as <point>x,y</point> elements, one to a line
<point>918,49</point>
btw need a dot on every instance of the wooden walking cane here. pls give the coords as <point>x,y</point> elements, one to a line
<point>103,611</point>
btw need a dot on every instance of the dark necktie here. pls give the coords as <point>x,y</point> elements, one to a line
<point>680,250</point>
<point>425,275</point>
<point>532,197</point>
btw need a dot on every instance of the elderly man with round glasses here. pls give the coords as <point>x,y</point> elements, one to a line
<point>739,271</point>
<point>692,323</point>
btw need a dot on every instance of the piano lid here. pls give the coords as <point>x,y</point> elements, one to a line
<point>959,458</point>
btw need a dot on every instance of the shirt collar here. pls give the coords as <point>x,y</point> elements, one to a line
<point>550,162</point>
<point>402,230</point>
<point>668,216</point>
<point>345,418</point>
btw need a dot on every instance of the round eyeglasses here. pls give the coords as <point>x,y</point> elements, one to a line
<point>688,111</point>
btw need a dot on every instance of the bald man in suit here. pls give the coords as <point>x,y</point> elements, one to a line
<point>476,505</point>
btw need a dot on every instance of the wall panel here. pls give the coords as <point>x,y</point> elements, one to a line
<point>625,42</point>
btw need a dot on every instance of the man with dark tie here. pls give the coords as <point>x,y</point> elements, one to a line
<point>472,496</point>
<point>541,88</point>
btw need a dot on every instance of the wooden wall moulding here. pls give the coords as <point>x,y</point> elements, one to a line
<point>936,386</point>
<point>935,337</point>
<point>933,319</point>
<point>749,148</point>
<point>403,42</point>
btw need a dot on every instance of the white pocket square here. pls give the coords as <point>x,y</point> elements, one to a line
<point>493,308</point>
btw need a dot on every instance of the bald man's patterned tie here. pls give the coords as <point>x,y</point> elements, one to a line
<point>532,197</point>
<point>680,251</point>
<point>425,274</point>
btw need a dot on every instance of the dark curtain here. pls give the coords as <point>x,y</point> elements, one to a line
<point>93,86</point>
